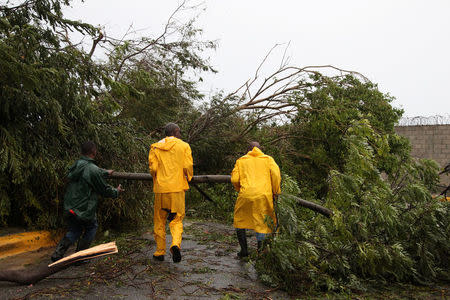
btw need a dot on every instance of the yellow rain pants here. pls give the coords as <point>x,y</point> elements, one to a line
<point>165,203</point>
<point>257,178</point>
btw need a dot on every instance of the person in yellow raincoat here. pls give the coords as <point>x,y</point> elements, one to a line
<point>257,178</point>
<point>171,166</point>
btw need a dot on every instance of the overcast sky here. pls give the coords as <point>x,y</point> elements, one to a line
<point>403,45</point>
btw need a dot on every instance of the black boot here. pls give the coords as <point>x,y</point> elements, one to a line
<point>83,245</point>
<point>260,246</point>
<point>158,257</point>
<point>176,254</point>
<point>242,238</point>
<point>61,248</point>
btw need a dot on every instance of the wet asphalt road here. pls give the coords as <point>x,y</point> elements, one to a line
<point>208,270</point>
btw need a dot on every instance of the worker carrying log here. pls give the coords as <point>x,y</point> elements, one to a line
<point>257,178</point>
<point>86,182</point>
<point>171,166</point>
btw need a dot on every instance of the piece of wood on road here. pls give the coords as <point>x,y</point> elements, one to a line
<point>97,251</point>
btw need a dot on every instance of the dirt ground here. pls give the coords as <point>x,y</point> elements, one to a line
<point>208,270</point>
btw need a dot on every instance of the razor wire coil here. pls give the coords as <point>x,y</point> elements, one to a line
<point>421,121</point>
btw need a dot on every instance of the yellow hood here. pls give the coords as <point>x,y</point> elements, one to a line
<point>166,143</point>
<point>256,152</point>
<point>171,165</point>
<point>256,177</point>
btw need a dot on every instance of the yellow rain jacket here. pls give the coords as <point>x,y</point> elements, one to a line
<point>171,165</point>
<point>256,177</point>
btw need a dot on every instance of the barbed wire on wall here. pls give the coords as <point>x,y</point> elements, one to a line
<point>419,120</point>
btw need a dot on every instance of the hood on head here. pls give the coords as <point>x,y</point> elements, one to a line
<point>255,152</point>
<point>166,144</point>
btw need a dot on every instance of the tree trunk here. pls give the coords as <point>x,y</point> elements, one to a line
<point>313,206</point>
<point>30,276</point>
<point>195,179</point>
<point>220,179</point>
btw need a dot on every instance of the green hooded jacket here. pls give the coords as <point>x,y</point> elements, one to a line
<point>86,182</point>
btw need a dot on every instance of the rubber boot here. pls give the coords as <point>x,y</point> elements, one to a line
<point>176,254</point>
<point>61,249</point>
<point>83,245</point>
<point>260,246</point>
<point>158,257</point>
<point>242,238</point>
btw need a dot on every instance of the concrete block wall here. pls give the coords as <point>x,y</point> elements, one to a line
<point>429,141</point>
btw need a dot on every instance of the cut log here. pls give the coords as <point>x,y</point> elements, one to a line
<point>195,179</point>
<point>34,275</point>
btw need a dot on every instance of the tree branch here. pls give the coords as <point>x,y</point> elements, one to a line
<point>94,44</point>
<point>152,43</point>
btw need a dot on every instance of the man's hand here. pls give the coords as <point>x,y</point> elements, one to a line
<point>110,171</point>
<point>120,189</point>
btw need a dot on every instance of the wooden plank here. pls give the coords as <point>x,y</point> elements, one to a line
<point>100,250</point>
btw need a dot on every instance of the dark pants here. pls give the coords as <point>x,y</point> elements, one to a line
<point>77,227</point>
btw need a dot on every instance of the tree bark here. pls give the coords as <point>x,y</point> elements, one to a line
<point>219,179</point>
<point>30,276</point>
<point>313,206</point>
<point>195,179</point>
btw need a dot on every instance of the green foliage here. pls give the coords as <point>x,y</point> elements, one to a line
<point>213,137</point>
<point>53,98</point>
<point>220,208</point>
<point>157,74</point>
<point>385,227</point>
<point>338,147</point>
<point>43,101</point>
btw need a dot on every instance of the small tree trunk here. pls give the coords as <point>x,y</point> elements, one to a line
<point>219,179</point>
<point>30,276</point>
<point>313,206</point>
<point>195,179</point>
<point>41,272</point>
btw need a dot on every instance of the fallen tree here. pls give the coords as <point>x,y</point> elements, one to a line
<point>218,179</point>
<point>313,206</point>
<point>195,179</point>
<point>32,276</point>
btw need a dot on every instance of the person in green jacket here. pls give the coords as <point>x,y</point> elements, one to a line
<point>86,182</point>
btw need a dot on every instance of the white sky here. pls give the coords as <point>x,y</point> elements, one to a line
<point>403,45</point>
